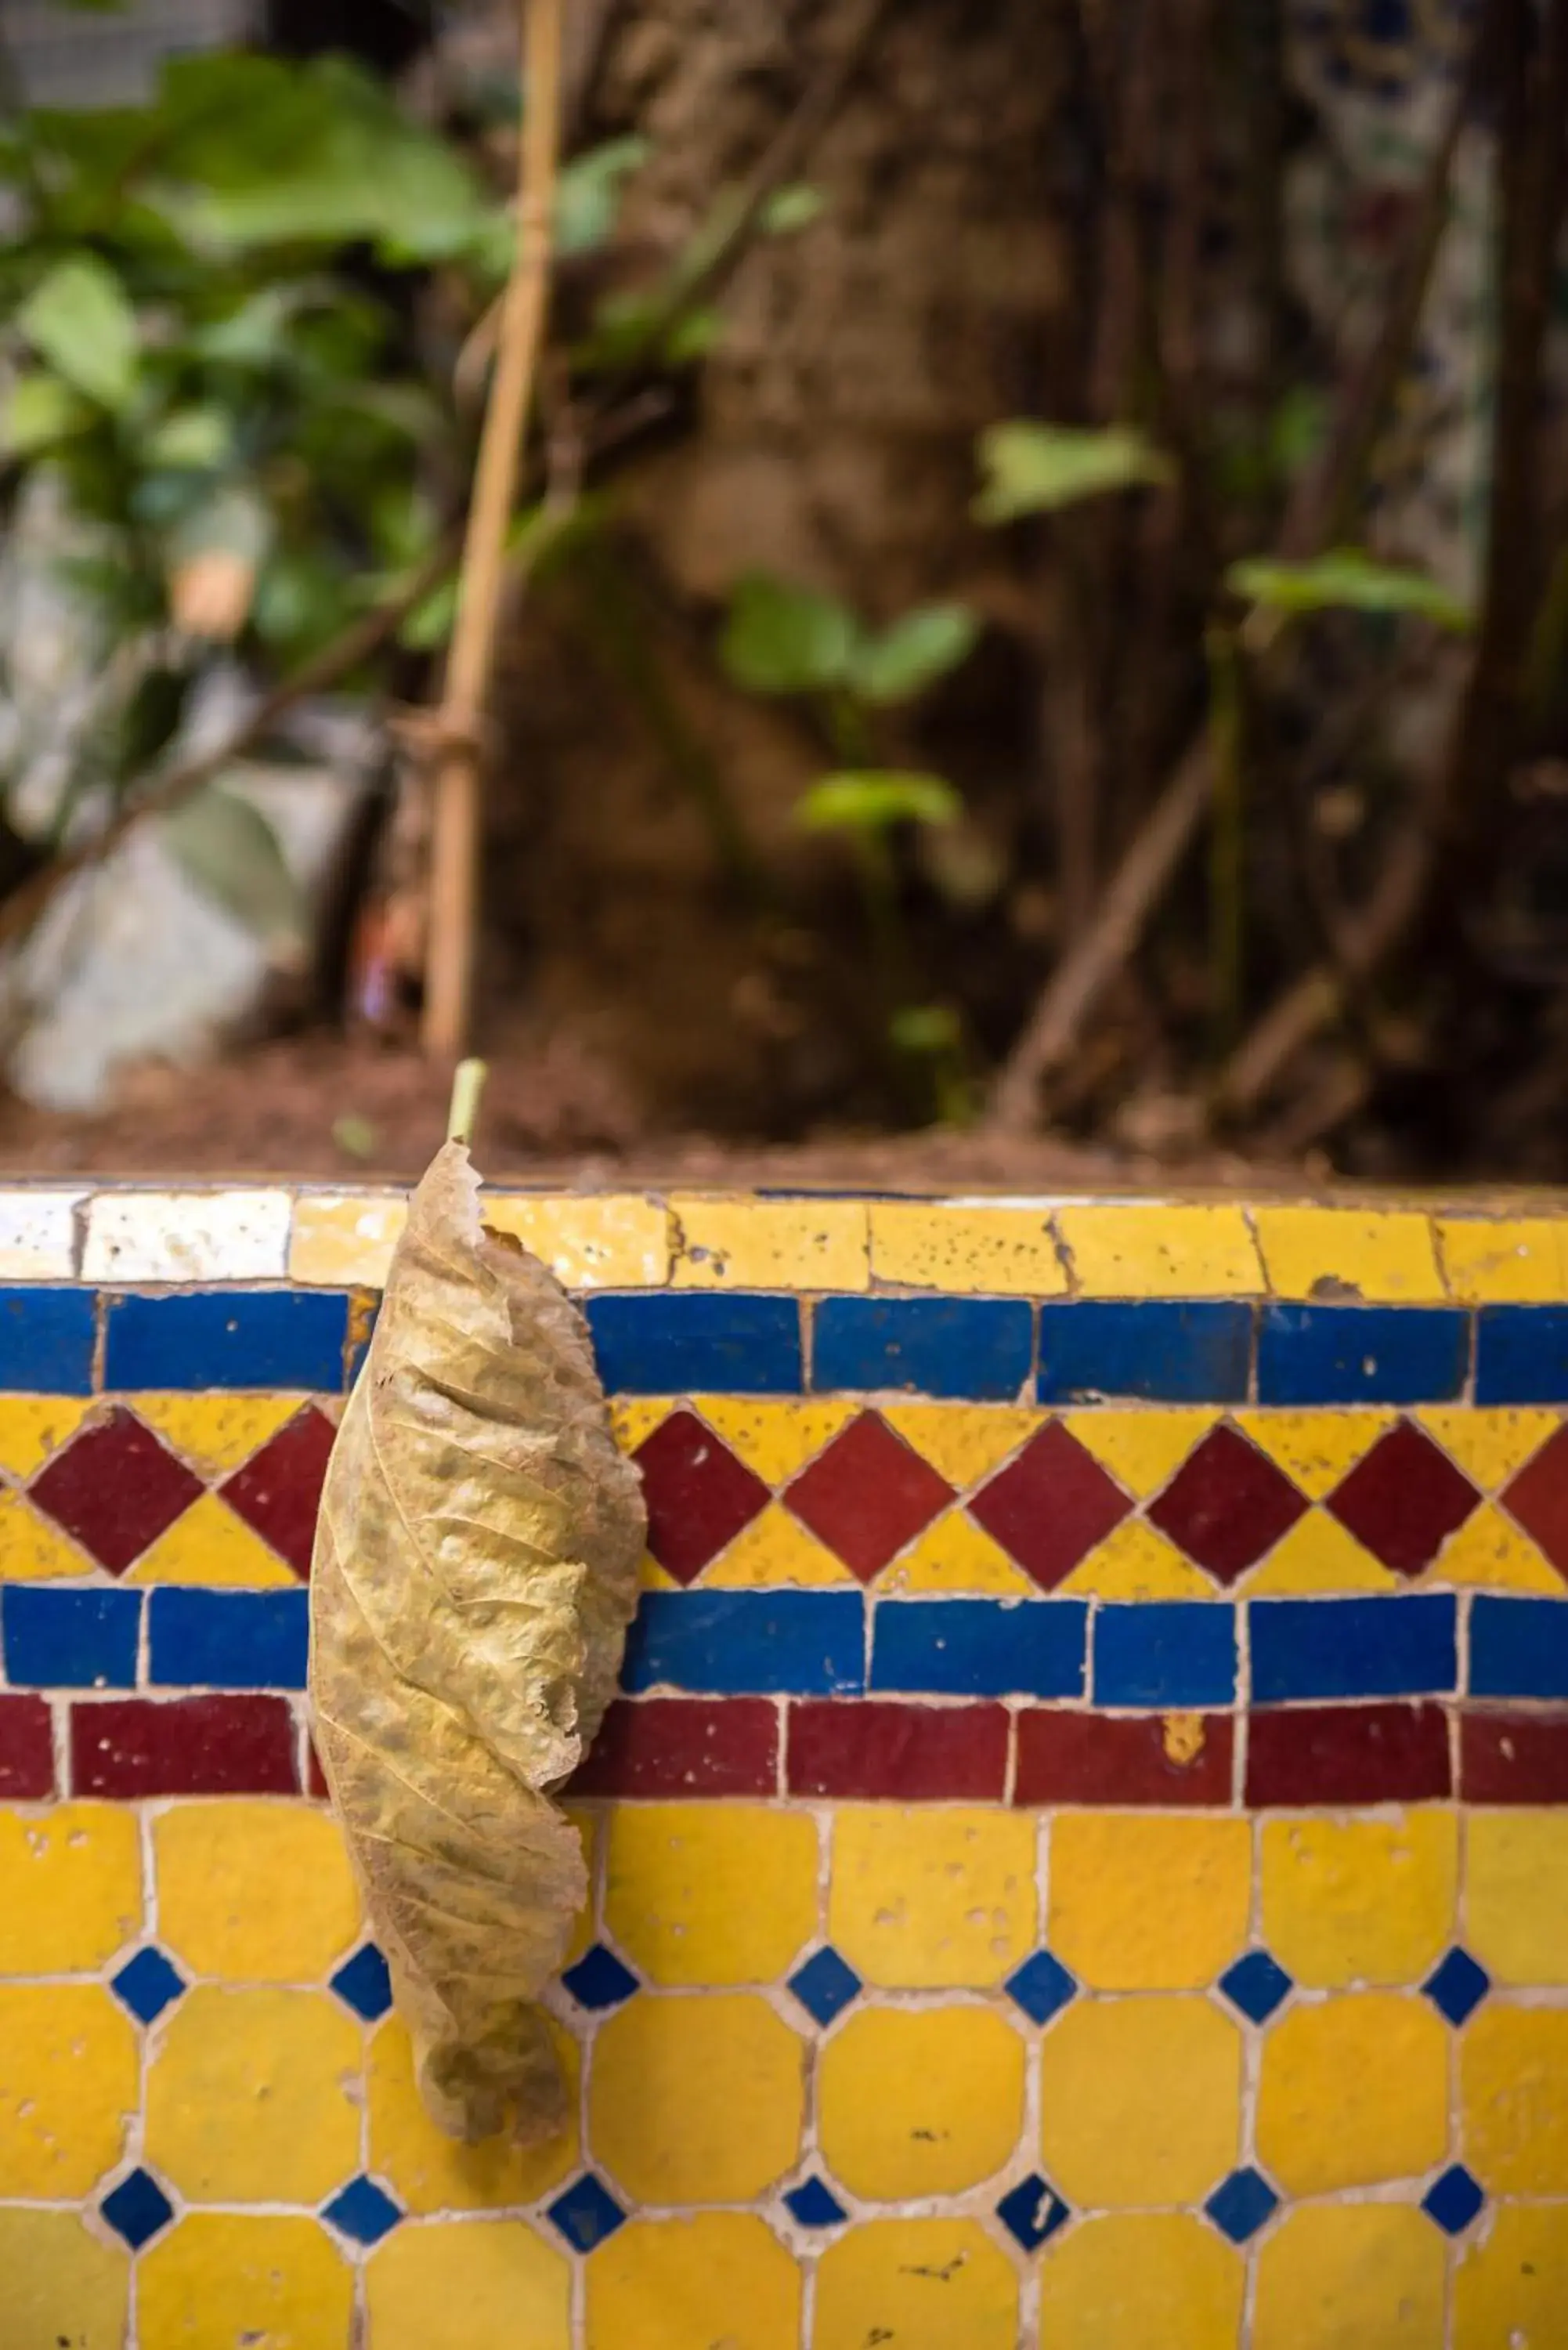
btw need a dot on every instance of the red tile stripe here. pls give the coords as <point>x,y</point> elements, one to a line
<point>231,1745</point>
<point>1097,1758</point>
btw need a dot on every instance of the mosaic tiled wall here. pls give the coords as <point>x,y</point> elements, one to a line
<point>1082,1858</point>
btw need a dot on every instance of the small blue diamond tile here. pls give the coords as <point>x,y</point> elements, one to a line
<point>1453,2199</point>
<point>147,1984</point>
<point>824,1985</point>
<point>364,1983</point>
<point>598,1979</point>
<point>137,2208</point>
<point>586,2213</point>
<point>1255,1985</point>
<point>1458,1986</point>
<point>1032,2212</point>
<point>1240,2204</point>
<point>362,2211</point>
<point>814,2206</point>
<point>1041,1986</point>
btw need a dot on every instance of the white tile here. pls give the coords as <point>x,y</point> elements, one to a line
<point>187,1237</point>
<point>38,1235</point>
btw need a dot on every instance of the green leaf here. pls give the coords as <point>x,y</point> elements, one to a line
<point>926,1028</point>
<point>790,209</point>
<point>1346,579</point>
<point>193,440</point>
<point>40,411</point>
<point>781,638</point>
<point>691,338</point>
<point>81,319</point>
<point>226,846</point>
<point>587,197</point>
<point>1039,468</point>
<point>873,799</point>
<point>914,652</point>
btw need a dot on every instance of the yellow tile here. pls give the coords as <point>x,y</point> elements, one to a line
<point>31,1427</point>
<point>1521,1259</point>
<point>207,1544</point>
<point>1488,1445</point>
<point>712,1893</point>
<point>1157,2282</point>
<point>770,1244</point>
<point>933,1897</point>
<point>776,1437</point>
<point>776,1548</point>
<point>70,1888</point>
<point>219,2279</point>
<point>953,1244</point>
<point>1140,2101</point>
<point>58,2284</point>
<point>67,2087</point>
<point>1317,1555</point>
<point>1150,1248</point>
<point>255,1892</point>
<point>1147,1902</point>
<point>633,1419</point>
<point>1137,1562</point>
<point>696,2099</point>
<point>1490,1553</point>
<point>430,2172</point>
<point>1516,1895</point>
<point>1338,2276</point>
<point>1360,1900</point>
<point>215,1432</point>
<point>1513,2098</point>
<point>1316,1448</point>
<point>920,2285</point>
<point>336,1238</point>
<point>588,1820</point>
<point>955,1555</point>
<point>1142,1450</point>
<point>496,2287</point>
<point>1354,2091</point>
<point>589,1240</point>
<point>914,2102</point>
<point>33,1547</point>
<point>1511,2290</point>
<point>720,2281</point>
<point>1381,1255</point>
<point>964,1441</point>
<point>254,2096</point>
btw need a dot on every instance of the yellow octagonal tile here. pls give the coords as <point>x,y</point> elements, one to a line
<point>696,2098</point>
<point>918,2285</point>
<point>1354,2091</point>
<point>1513,2096</point>
<point>1147,1902</point>
<point>1155,2282</point>
<point>719,2282</point>
<point>254,2096</point>
<point>68,2077</point>
<point>1148,1248</point>
<point>1360,1900</point>
<point>494,2286</point>
<point>1140,2101</point>
<point>932,1899</point>
<point>430,2172</point>
<point>1346,2276</point>
<point>218,2280</point>
<point>914,2102</point>
<point>1511,2291</point>
<point>1378,1255</point>
<point>712,1893</point>
<point>960,1246</point>
<point>58,2284</point>
<point>70,1888</point>
<point>1516,1895</point>
<point>255,1892</point>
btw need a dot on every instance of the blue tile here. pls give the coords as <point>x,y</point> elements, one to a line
<point>1404,1646</point>
<point>1521,1354</point>
<point>1362,1354</point>
<point>1519,1647</point>
<point>657,1342</point>
<point>586,2213</point>
<point>1032,2212</point>
<point>1256,1985</point>
<point>814,2206</point>
<point>1457,1986</point>
<point>364,1983</point>
<point>227,1339</point>
<point>1165,1652</point>
<point>598,1979</point>
<point>362,2212</point>
<point>47,1338</point>
<point>137,2208</point>
<point>825,1984</point>
<point>63,1639</point>
<point>980,1647</point>
<point>361,1330</point>
<point>1453,2201</point>
<point>147,1984</point>
<point>749,1643</point>
<point>1240,2204</point>
<point>1042,1987</point>
<point>228,1639</point>
<point>961,1349</point>
<point>1159,1350</point>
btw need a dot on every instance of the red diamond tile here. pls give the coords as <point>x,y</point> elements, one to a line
<point>1227,1504</point>
<point>867,1495</point>
<point>1538,1498</point>
<point>1404,1500</point>
<point>278,1491</point>
<point>699,1496</point>
<point>1050,1506</point>
<point>115,1490</point>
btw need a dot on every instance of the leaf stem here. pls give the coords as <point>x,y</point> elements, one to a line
<point>467,1086</point>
